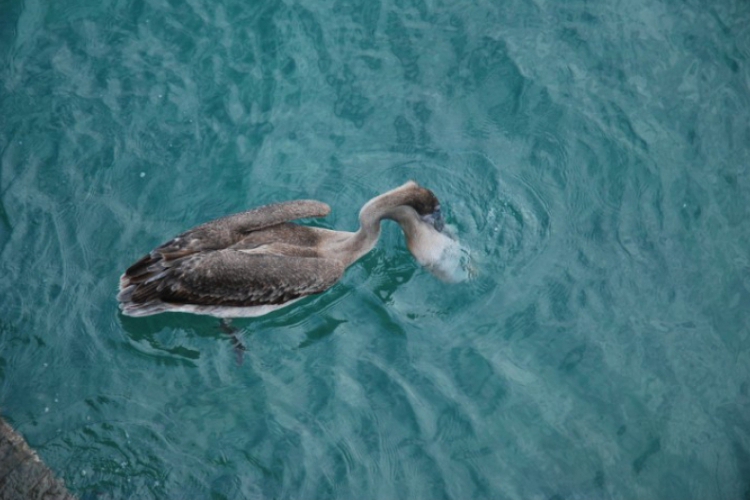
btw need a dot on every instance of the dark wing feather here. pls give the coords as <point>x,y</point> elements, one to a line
<point>236,279</point>
<point>227,231</point>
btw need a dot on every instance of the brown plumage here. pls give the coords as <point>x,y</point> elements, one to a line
<point>251,263</point>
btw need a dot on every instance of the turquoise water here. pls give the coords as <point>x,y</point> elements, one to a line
<point>594,156</point>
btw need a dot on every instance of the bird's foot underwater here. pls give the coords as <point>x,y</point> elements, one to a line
<point>237,345</point>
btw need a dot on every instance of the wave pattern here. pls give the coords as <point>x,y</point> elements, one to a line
<point>593,158</point>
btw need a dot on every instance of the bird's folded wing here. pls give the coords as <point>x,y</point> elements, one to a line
<point>238,279</point>
<point>269,215</point>
<point>226,231</point>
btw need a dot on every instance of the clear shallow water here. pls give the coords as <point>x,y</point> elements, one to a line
<point>593,157</point>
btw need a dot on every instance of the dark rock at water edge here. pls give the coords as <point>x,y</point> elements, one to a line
<point>23,475</point>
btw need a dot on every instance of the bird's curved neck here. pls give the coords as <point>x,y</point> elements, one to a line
<point>386,206</point>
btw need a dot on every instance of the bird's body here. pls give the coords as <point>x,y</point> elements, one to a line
<point>255,262</point>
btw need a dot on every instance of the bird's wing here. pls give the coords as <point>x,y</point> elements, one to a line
<point>268,215</point>
<point>226,231</point>
<point>233,278</point>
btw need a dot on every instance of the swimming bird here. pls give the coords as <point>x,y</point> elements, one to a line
<point>254,262</point>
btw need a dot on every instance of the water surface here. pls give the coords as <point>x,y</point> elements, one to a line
<point>593,156</point>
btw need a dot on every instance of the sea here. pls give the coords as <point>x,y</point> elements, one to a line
<point>592,159</point>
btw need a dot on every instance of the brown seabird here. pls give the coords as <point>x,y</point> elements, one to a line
<point>251,263</point>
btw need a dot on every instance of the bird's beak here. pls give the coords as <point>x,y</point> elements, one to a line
<point>435,219</point>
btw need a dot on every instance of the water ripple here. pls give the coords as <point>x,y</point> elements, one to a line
<point>591,156</point>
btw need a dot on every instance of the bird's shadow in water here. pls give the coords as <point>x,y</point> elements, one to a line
<point>390,272</point>
<point>324,328</point>
<point>146,335</point>
<point>311,315</point>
